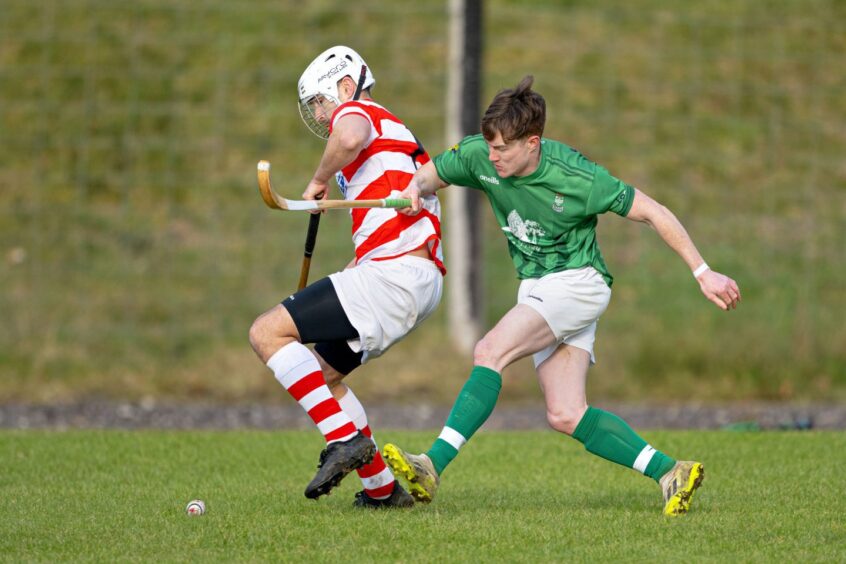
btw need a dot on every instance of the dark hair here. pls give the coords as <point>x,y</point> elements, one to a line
<point>516,113</point>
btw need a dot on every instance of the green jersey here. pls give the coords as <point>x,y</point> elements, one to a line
<point>549,216</point>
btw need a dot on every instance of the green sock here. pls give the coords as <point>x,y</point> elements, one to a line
<point>606,435</point>
<point>471,409</point>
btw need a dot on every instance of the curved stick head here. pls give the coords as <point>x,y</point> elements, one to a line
<point>267,194</point>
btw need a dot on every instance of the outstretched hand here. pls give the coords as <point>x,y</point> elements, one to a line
<point>720,289</point>
<point>411,192</point>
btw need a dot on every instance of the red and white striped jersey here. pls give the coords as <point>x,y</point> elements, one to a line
<point>383,169</point>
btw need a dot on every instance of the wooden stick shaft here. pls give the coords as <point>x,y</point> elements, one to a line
<point>304,273</point>
<point>310,242</point>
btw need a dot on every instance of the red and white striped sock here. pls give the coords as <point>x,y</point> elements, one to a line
<point>298,371</point>
<point>376,477</point>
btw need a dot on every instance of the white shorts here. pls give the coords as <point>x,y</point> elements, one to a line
<point>384,300</point>
<point>571,302</point>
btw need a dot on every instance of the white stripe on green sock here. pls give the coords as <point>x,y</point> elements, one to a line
<point>453,437</point>
<point>607,436</point>
<point>643,459</point>
<point>472,408</point>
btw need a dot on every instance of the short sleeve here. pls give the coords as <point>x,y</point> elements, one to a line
<point>350,108</point>
<point>454,166</point>
<point>609,194</point>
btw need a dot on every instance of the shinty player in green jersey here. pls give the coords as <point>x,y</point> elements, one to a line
<point>546,198</point>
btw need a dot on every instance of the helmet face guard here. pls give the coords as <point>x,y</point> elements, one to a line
<point>316,112</point>
<point>318,86</point>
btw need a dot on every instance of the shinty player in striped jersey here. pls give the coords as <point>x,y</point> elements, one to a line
<point>392,285</point>
<point>546,198</point>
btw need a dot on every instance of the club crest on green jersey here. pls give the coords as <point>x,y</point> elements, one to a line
<point>526,230</point>
<point>558,203</point>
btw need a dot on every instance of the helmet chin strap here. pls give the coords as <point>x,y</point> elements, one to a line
<point>360,84</point>
<point>359,88</point>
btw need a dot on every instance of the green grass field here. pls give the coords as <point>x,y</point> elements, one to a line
<point>512,496</point>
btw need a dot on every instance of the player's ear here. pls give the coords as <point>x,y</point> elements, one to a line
<point>533,143</point>
<point>347,86</point>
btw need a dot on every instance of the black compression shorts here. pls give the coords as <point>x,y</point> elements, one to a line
<point>320,318</point>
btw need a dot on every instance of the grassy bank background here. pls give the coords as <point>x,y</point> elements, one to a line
<point>135,251</point>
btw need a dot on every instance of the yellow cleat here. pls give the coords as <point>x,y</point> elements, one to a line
<point>417,469</point>
<point>679,485</point>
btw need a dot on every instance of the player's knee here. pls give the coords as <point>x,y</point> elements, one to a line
<point>266,336</point>
<point>257,334</point>
<point>271,331</point>
<point>563,420</point>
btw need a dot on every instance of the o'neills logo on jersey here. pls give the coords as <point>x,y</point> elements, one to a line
<point>489,179</point>
<point>558,203</point>
<point>333,71</point>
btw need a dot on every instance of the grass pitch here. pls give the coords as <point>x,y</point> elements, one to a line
<point>511,496</point>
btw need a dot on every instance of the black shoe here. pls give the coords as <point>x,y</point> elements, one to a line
<point>398,498</point>
<point>337,460</point>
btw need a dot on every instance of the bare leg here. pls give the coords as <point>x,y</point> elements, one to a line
<point>521,332</point>
<point>562,379</point>
<point>334,379</point>
<point>271,331</point>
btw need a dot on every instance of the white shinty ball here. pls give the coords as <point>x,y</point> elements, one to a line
<point>195,507</point>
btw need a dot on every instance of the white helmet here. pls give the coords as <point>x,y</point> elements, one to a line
<point>321,78</point>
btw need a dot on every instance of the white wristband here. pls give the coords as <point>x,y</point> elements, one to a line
<point>700,269</point>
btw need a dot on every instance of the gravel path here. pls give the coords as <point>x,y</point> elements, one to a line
<point>150,415</point>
